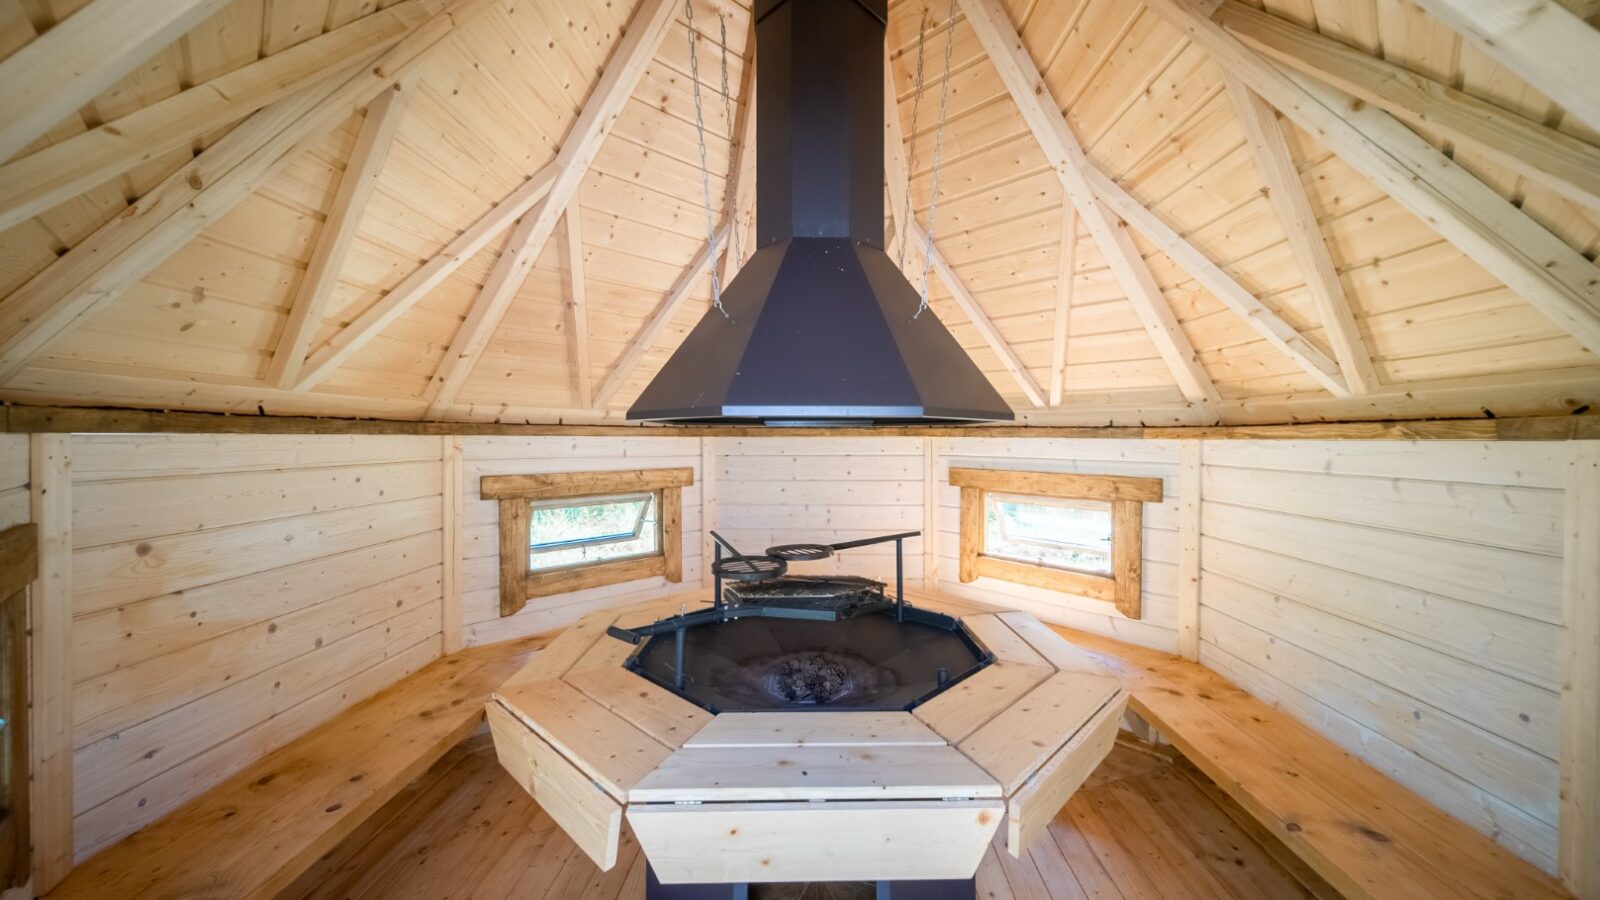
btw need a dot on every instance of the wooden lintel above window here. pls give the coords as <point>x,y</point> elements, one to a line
<point>1060,484</point>
<point>557,485</point>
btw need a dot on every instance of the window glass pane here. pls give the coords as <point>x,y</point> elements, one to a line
<point>572,532</point>
<point>1064,534</point>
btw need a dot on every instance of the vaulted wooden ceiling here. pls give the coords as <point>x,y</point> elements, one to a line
<point>1171,211</point>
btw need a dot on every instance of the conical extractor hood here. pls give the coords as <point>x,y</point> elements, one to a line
<point>821,326</point>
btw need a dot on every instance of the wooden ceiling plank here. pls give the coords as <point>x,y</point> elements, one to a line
<point>66,67</point>
<point>425,278</point>
<point>1527,147</point>
<point>917,243</point>
<point>578,304</point>
<point>1509,244</point>
<point>643,37</point>
<point>338,231</point>
<point>1548,46</point>
<point>1067,266</point>
<point>126,249</point>
<point>34,183</point>
<point>1043,115</point>
<point>665,311</point>
<point>1287,194</point>
<point>1220,284</point>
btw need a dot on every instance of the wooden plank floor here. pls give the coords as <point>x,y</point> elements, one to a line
<point>1139,828</point>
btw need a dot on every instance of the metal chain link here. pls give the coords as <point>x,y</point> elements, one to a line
<point>938,159</point>
<point>916,104</point>
<point>727,110</point>
<point>705,172</point>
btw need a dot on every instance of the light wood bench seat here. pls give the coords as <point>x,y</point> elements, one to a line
<point>1364,833</point>
<point>252,835</point>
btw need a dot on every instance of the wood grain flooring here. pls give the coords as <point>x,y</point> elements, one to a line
<point>1139,828</point>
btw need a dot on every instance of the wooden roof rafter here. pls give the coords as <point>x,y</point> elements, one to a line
<point>338,231</point>
<point>1527,147</point>
<point>33,183</point>
<point>1524,255</point>
<point>642,38</point>
<point>88,51</point>
<point>578,309</point>
<point>1061,147</point>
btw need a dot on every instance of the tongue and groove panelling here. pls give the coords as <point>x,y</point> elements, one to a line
<point>1405,600</point>
<point>231,592</point>
<point>13,480</point>
<point>792,490</point>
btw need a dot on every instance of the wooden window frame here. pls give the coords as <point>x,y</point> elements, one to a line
<point>1127,496</point>
<point>516,493</point>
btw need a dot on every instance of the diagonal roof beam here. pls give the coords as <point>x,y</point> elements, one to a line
<point>424,278</point>
<point>1549,47</point>
<point>1534,263</point>
<point>69,65</point>
<point>1287,194</point>
<point>1220,284</point>
<point>1527,147</point>
<point>664,313</point>
<point>35,183</point>
<point>1039,109</point>
<point>338,232</point>
<point>578,307</point>
<point>644,34</point>
<point>1066,267</point>
<point>917,240</point>
<point>126,249</point>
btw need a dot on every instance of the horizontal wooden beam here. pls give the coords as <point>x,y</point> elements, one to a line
<point>36,182</point>
<point>1558,160</point>
<point>1065,485</point>
<point>559,485</point>
<point>84,420</point>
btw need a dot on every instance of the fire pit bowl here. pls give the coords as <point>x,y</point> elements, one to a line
<point>760,664</point>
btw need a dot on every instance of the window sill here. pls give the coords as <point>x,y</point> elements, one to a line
<point>592,575</point>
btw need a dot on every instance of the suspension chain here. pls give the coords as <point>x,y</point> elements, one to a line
<point>916,105</point>
<point>938,158</point>
<point>705,172</point>
<point>727,110</point>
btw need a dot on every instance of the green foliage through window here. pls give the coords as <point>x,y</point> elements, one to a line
<point>1062,534</point>
<point>582,530</point>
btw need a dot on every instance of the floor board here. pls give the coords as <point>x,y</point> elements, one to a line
<point>1138,829</point>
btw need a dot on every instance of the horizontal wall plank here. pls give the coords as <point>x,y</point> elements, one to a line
<point>1533,465</point>
<point>98,457</point>
<point>119,573</point>
<point>105,512</point>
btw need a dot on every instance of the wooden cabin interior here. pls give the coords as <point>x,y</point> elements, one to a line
<point>1184,482</point>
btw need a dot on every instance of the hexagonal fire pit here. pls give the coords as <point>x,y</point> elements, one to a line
<point>806,789</point>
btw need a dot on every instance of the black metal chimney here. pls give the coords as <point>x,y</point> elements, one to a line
<point>820,325</point>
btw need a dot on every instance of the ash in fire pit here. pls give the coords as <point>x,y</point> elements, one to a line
<point>811,679</point>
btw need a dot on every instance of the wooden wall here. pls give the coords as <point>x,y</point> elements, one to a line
<point>1151,459</point>
<point>479,521</point>
<point>790,490</point>
<point>1405,600</point>
<point>232,592</point>
<point>13,480</point>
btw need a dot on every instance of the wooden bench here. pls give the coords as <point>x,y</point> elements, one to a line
<point>252,835</point>
<point>1362,832</point>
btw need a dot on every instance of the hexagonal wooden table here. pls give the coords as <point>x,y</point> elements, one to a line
<point>812,796</point>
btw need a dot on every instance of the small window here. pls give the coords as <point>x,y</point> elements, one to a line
<point>570,531</point>
<point>565,533</point>
<point>1046,531</point>
<point>1077,534</point>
